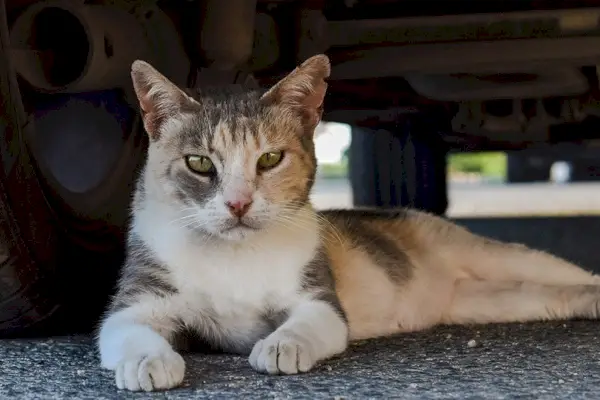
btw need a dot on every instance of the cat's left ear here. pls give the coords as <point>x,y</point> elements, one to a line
<point>303,90</point>
<point>159,98</point>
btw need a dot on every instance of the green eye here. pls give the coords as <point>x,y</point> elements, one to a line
<point>200,165</point>
<point>270,160</point>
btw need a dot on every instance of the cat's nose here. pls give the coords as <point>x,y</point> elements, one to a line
<point>238,208</point>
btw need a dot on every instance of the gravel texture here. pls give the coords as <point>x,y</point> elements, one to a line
<point>554,360</point>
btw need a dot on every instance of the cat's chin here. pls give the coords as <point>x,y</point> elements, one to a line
<point>230,234</point>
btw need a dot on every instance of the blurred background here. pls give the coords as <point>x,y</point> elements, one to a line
<point>483,112</point>
<point>479,183</point>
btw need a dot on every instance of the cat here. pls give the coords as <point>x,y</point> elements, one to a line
<point>224,243</point>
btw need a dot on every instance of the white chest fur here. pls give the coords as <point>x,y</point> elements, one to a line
<point>237,279</point>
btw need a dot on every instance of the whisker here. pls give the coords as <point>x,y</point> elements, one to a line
<point>333,230</point>
<point>185,217</point>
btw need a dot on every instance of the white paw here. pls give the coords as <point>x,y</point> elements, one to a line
<point>282,354</point>
<point>162,370</point>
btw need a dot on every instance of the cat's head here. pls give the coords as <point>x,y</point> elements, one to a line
<point>230,164</point>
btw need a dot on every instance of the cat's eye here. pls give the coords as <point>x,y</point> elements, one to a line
<point>269,160</point>
<point>200,164</point>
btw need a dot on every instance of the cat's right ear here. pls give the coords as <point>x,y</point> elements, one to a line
<point>303,90</point>
<point>159,98</point>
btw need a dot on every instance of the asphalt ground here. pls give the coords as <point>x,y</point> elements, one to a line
<point>553,360</point>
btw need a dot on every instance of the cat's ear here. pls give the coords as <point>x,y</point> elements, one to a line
<point>159,98</point>
<point>303,90</point>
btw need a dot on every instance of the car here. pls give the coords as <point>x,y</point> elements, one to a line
<point>415,80</point>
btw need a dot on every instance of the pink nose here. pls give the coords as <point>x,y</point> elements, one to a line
<point>238,208</point>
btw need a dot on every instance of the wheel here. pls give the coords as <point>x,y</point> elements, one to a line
<point>403,168</point>
<point>64,201</point>
<point>524,166</point>
<point>67,167</point>
<point>28,239</point>
<point>585,170</point>
<point>87,149</point>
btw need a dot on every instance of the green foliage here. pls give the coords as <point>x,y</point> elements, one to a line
<point>334,171</point>
<point>488,164</point>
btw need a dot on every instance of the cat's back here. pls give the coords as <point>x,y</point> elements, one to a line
<point>374,255</point>
<point>406,229</point>
<point>381,244</point>
<point>397,238</point>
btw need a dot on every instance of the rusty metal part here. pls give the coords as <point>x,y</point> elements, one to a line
<point>92,50</point>
<point>226,32</point>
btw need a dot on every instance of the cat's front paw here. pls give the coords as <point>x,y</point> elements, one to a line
<point>163,370</point>
<point>282,354</point>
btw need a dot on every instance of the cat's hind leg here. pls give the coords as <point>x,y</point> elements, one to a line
<point>480,302</point>
<point>487,259</point>
<point>468,255</point>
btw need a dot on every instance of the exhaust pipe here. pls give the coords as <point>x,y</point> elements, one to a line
<point>69,47</point>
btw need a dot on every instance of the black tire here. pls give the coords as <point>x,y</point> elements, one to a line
<point>87,149</point>
<point>66,176</point>
<point>28,240</point>
<point>525,166</point>
<point>404,168</point>
<point>585,170</point>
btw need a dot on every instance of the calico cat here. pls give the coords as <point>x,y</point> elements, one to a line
<point>224,243</point>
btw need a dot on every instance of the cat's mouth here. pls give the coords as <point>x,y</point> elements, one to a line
<point>239,224</point>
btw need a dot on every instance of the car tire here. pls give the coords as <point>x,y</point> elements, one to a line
<point>67,171</point>
<point>526,167</point>
<point>28,239</point>
<point>405,167</point>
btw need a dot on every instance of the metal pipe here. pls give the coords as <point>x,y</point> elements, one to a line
<point>226,32</point>
<point>64,46</point>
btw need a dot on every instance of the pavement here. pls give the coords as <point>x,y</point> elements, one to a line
<point>489,199</point>
<point>554,360</point>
